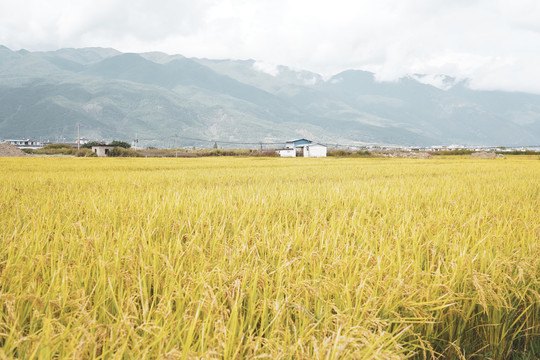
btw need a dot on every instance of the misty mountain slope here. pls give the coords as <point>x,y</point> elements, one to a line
<point>188,73</point>
<point>323,109</point>
<point>155,95</point>
<point>252,73</point>
<point>522,109</point>
<point>85,56</point>
<point>160,57</point>
<point>435,114</point>
<point>448,115</point>
<point>18,68</point>
<point>39,108</point>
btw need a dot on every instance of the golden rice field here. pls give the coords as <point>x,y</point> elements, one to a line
<point>268,258</point>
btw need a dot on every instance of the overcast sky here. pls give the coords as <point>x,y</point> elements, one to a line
<point>496,43</point>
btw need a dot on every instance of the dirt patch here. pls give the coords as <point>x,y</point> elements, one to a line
<point>8,150</point>
<point>484,155</point>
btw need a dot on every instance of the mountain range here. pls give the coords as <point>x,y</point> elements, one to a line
<point>170,99</point>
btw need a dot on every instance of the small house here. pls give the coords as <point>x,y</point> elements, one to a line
<point>302,148</point>
<point>102,150</point>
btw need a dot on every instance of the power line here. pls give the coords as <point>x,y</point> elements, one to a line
<point>211,140</point>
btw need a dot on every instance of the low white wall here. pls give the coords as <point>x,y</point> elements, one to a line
<point>287,153</point>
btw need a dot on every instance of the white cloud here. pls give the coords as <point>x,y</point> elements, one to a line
<point>267,68</point>
<point>494,42</point>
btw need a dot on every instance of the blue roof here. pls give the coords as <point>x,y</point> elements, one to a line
<point>300,141</point>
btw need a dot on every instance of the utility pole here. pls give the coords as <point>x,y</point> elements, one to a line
<point>135,144</point>
<point>261,147</point>
<point>78,137</point>
<point>176,144</point>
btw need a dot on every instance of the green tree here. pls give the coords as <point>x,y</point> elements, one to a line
<point>121,144</point>
<point>89,145</point>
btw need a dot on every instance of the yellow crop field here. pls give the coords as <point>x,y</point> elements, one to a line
<point>269,258</point>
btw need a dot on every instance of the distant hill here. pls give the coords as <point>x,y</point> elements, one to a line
<point>155,96</point>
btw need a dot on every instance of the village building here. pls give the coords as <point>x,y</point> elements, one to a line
<point>25,144</point>
<point>302,148</point>
<point>102,150</point>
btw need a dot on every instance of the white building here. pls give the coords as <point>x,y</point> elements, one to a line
<point>26,144</point>
<point>302,147</point>
<point>315,150</point>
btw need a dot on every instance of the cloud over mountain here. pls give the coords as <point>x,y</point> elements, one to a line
<point>489,42</point>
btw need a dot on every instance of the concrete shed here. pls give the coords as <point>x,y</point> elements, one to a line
<point>102,150</point>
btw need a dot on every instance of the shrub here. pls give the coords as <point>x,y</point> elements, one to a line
<point>122,152</point>
<point>361,153</point>
<point>54,150</point>
<point>57,146</point>
<point>264,153</point>
<point>86,153</point>
<point>121,144</point>
<point>518,152</point>
<point>118,143</point>
<point>349,153</point>
<point>89,145</point>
